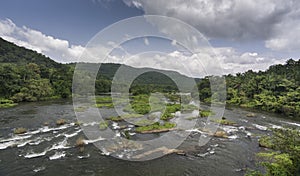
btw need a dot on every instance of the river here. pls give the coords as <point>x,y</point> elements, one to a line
<point>50,149</point>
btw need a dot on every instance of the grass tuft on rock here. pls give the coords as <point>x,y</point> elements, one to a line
<point>60,122</point>
<point>20,130</point>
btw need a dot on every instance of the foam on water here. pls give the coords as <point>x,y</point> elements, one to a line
<point>34,155</point>
<point>38,169</point>
<point>230,129</point>
<point>233,137</point>
<point>16,138</point>
<point>61,145</point>
<point>72,134</point>
<point>194,130</point>
<point>93,140</point>
<point>292,123</point>
<point>58,155</point>
<point>260,127</point>
<point>7,144</point>
<point>84,156</point>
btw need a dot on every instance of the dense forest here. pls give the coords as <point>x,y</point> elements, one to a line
<point>26,75</point>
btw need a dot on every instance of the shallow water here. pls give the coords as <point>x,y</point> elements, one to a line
<point>51,150</point>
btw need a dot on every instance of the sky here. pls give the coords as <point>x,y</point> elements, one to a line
<point>245,34</point>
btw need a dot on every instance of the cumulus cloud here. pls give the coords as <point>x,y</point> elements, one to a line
<point>274,21</point>
<point>57,49</point>
<point>208,61</point>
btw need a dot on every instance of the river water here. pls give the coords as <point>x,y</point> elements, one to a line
<point>51,149</point>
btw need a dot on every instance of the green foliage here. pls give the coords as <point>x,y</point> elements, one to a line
<point>115,118</point>
<point>125,116</point>
<point>205,113</point>
<point>26,75</point>
<point>169,111</point>
<point>143,122</point>
<point>156,126</point>
<point>284,160</point>
<point>103,125</point>
<point>275,90</point>
<point>5,103</point>
<point>224,122</point>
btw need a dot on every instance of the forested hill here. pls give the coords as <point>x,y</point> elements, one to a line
<point>26,75</point>
<point>11,53</point>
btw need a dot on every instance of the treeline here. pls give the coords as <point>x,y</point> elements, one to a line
<point>31,82</point>
<point>26,75</point>
<point>275,90</point>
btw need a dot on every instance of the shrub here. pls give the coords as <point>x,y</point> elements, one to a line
<point>205,113</point>
<point>80,142</point>
<point>103,125</point>
<point>60,122</point>
<point>20,130</point>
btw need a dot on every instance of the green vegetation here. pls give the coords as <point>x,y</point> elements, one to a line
<point>104,102</point>
<point>141,104</point>
<point>156,127</point>
<point>123,117</point>
<point>115,118</point>
<point>275,90</point>
<point>144,122</point>
<point>20,130</point>
<point>284,159</point>
<point>26,75</point>
<point>205,113</point>
<point>224,122</point>
<point>103,125</point>
<point>4,103</point>
<point>169,111</point>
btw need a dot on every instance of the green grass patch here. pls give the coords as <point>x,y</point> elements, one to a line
<point>144,122</point>
<point>224,122</point>
<point>140,104</point>
<point>169,111</point>
<point>5,103</point>
<point>103,125</point>
<point>205,113</point>
<point>155,126</point>
<point>125,116</point>
<point>104,105</point>
<point>266,142</point>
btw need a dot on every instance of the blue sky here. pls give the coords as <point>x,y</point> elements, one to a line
<point>74,20</point>
<point>246,34</point>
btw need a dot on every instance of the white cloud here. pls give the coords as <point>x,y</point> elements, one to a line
<point>275,22</point>
<point>287,36</point>
<point>57,49</point>
<point>208,61</point>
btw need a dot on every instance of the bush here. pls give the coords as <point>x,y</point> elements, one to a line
<point>60,122</point>
<point>284,160</point>
<point>103,125</point>
<point>80,142</point>
<point>20,130</point>
<point>5,103</point>
<point>205,113</point>
<point>156,126</point>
